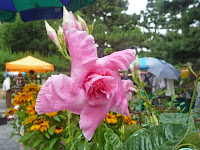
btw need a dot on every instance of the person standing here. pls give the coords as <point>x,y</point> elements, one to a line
<point>32,76</point>
<point>7,88</point>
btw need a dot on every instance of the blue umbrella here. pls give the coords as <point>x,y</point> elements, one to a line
<point>164,71</point>
<point>147,62</point>
<point>13,73</point>
<point>30,10</point>
<point>158,67</point>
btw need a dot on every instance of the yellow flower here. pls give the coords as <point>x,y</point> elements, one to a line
<point>129,120</point>
<point>32,87</point>
<point>111,119</point>
<point>133,122</point>
<point>44,126</point>
<point>58,129</point>
<point>53,114</point>
<point>30,119</point>
<point>118,115</point>
<point>17,98</point>
<point>40,124</point>
<point>35,127</point>
<point>10,112</point>
<point>22,98</point>
<point>30,109</point>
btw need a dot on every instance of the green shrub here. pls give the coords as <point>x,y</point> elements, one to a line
<point>59,62</point>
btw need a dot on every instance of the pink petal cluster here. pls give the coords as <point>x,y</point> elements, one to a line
<point>94,87</point>
<point>129,88</point>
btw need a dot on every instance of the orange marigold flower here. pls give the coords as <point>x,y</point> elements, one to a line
<point>118,115</point>
<point>22,98</point>
<point>129,120</point>
<point>10,112</point>
<point>111,119</point>
<point>30,119</point>
<point>32,87</point>
<point>17,98</point>
<point>58,129</point>
<point>30,109</point>
<point>40,124</point>
<point>53,114</point>
<point>35,127</point>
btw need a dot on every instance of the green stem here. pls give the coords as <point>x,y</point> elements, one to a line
<point>68,124</point>
<point>99,136</point>
<point>86,145</point>
<point>195,89</point>
<point>187,144</point>
<point>150,109</point>
<point>148,103</point>
<point>65,55</point>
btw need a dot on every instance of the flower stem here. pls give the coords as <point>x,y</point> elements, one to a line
<point>187,144</point>
<point>86,147</point>
<point>195,89</point>
<point>99,136</point>
<point>68,124</point>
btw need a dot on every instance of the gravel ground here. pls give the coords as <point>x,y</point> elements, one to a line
<point>5,142</point>
<point>5,130</point>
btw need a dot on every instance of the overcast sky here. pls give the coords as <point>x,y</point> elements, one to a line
<point>135,6</point>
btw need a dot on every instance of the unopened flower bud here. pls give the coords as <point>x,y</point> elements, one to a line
<point>67,21</point>
<point>61,37</point>
<point>83,24</point>
<point>52,34</point>
<point>154,120</point>
<point>121,130</point>
<point>136,63</point>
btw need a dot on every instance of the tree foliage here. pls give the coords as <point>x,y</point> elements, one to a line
<point>22,36</point>
<point>113,27</point>
<point>180,19</point>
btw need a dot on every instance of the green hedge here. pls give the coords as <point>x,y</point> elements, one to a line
<point>59,62</point>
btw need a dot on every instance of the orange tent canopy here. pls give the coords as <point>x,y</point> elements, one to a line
<point>29,63</point>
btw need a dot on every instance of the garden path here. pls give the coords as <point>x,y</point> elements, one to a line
<point>5,130</point>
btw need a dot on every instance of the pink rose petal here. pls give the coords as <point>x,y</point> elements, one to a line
<point>128,87</point>
<point>118,60</point>
<point>60,93</point>
<point>82,50</point>
<point>120,101</point>
<point>91,117</point>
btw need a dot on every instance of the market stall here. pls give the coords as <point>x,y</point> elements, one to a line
<point>29,63</point>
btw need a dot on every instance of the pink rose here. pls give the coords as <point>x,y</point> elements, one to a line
<point>94,87</point>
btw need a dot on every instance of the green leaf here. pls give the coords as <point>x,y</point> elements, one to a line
<point>37,141</point>
<point>76,141</point>
<point>26,136</point>
<point>27,147</point>
<point>112,140</point>
<point>161,137</point>
<point>46,148</point>
<point>129,130</point>
<point>193,138</point>
<point>182,103</point>
<point>57,118</point>
<point>41,117</point>
<point>62,116</point>
<point>21,114</point>
<point>52,142</point>
<point>178,118</point>
<point>47,135</point>
<point>12,134</point>
<point>51,130</point>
